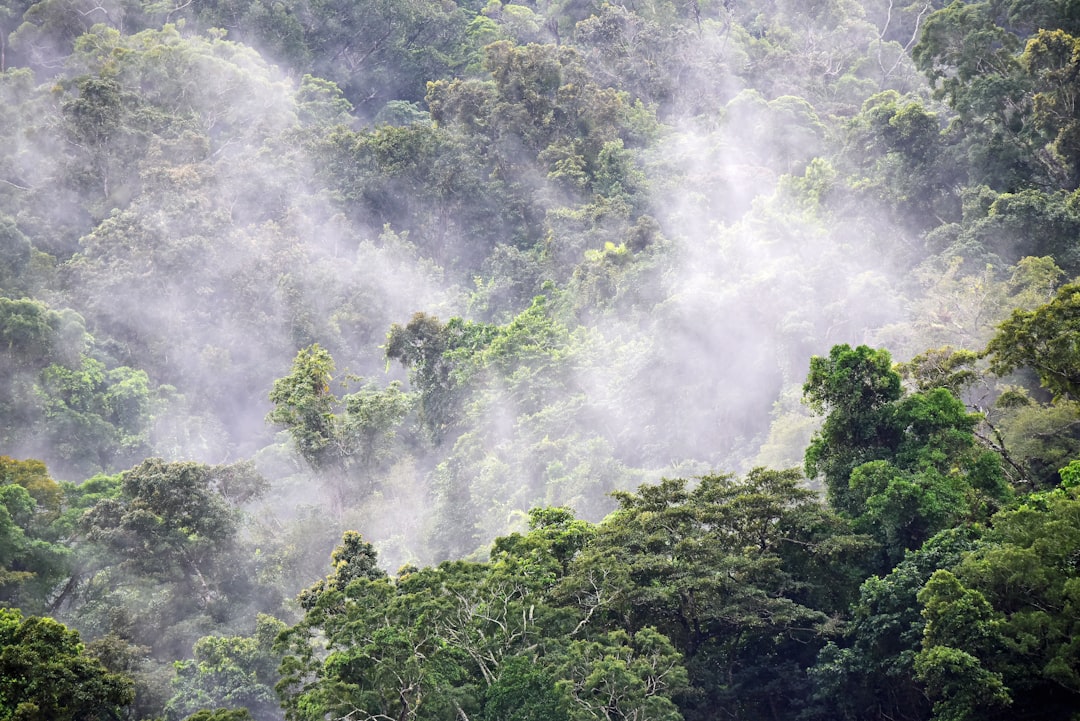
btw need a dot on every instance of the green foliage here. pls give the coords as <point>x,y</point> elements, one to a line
<point>870,671</point>
<point>236,673</point>
<point>1043,340</point>
<point>339,438</point>
<point>1019,622</point>
<point>221,714</point>
<point>1050,58</point>
<point>304,403</point>
<point>205,207</point>
<point>412,647</point>
<point>165,562</point>
<point>45,673</point>
<point>524,691</point>
<point>712,569</point>
<point>32,562</point>
<point>95,419</point>
<point>904,466</point>
<point>856,387</point>
<point>622,677</point>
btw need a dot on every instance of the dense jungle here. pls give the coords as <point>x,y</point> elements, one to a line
<point>551,360</point>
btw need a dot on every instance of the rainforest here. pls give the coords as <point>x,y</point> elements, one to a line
<point>548,360</point>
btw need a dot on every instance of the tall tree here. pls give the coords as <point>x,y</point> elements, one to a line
<point>346,440</point>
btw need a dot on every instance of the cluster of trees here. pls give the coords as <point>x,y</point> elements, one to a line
<point>464,275</point>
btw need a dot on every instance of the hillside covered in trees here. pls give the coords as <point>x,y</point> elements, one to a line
<point>560,360</point>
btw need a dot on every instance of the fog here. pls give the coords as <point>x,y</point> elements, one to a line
<point>216,211</point>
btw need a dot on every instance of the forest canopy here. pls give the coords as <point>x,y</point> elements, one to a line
<point>551,359</point>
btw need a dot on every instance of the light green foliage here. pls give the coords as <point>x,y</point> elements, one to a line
<point>445,360</point>
<point>32,475</point>
<point>545,552</point>
<point>947,367</point>
<point>465,638</point>
<point>617,676</point>
<point>347,441</point>
<point>31,560</point>
<point>970,691</point>
<point>28,334</point>
<point>237,672</point>
<point>1040,439</point>
<point>1042,339</point>
<point>304,403</point>
<point>962,308</point>
<point>514,387</point>
<point>45,673</point>
<point>95,419</point>
<point>15,252</point>
<point>399,647</point>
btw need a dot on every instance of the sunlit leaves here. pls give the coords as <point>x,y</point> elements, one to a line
<point>1044,340</point>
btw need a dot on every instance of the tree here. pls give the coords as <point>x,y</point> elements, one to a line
<point>961,629</point>
<point>906,161</point>
<point>31,561</point>
<point>234,672</point>
<point>387,648</point>
<point>903,466</point>
<point>856,388</point>
<point>164,561</point>
<point>340,439</point>
<point>95,419</point>
<point>712,568</point>
<point>623,677</point>
<point>1011,604</point>
<point>1044,339</point>
<point>869,672</point>
<point>1052,58</point>
<point>221,714</point>
<point>45,673</point>
<point>972,62</point>
<point>420,346</point>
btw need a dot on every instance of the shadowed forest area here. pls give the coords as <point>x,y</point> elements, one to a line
<point>561,360</point>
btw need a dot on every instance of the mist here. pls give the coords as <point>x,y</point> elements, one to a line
<point>264,212</point>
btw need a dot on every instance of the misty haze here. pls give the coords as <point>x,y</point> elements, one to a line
<point>653,360</point>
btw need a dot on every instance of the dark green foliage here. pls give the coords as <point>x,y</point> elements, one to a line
<point>869,672</point>
<point>166,560</point>
<point>524,691</point>
<point>1008,606</point>
<point>903,466</point>
<point>45,673</point>
<point>710,567</point>
<point>857,388</point>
